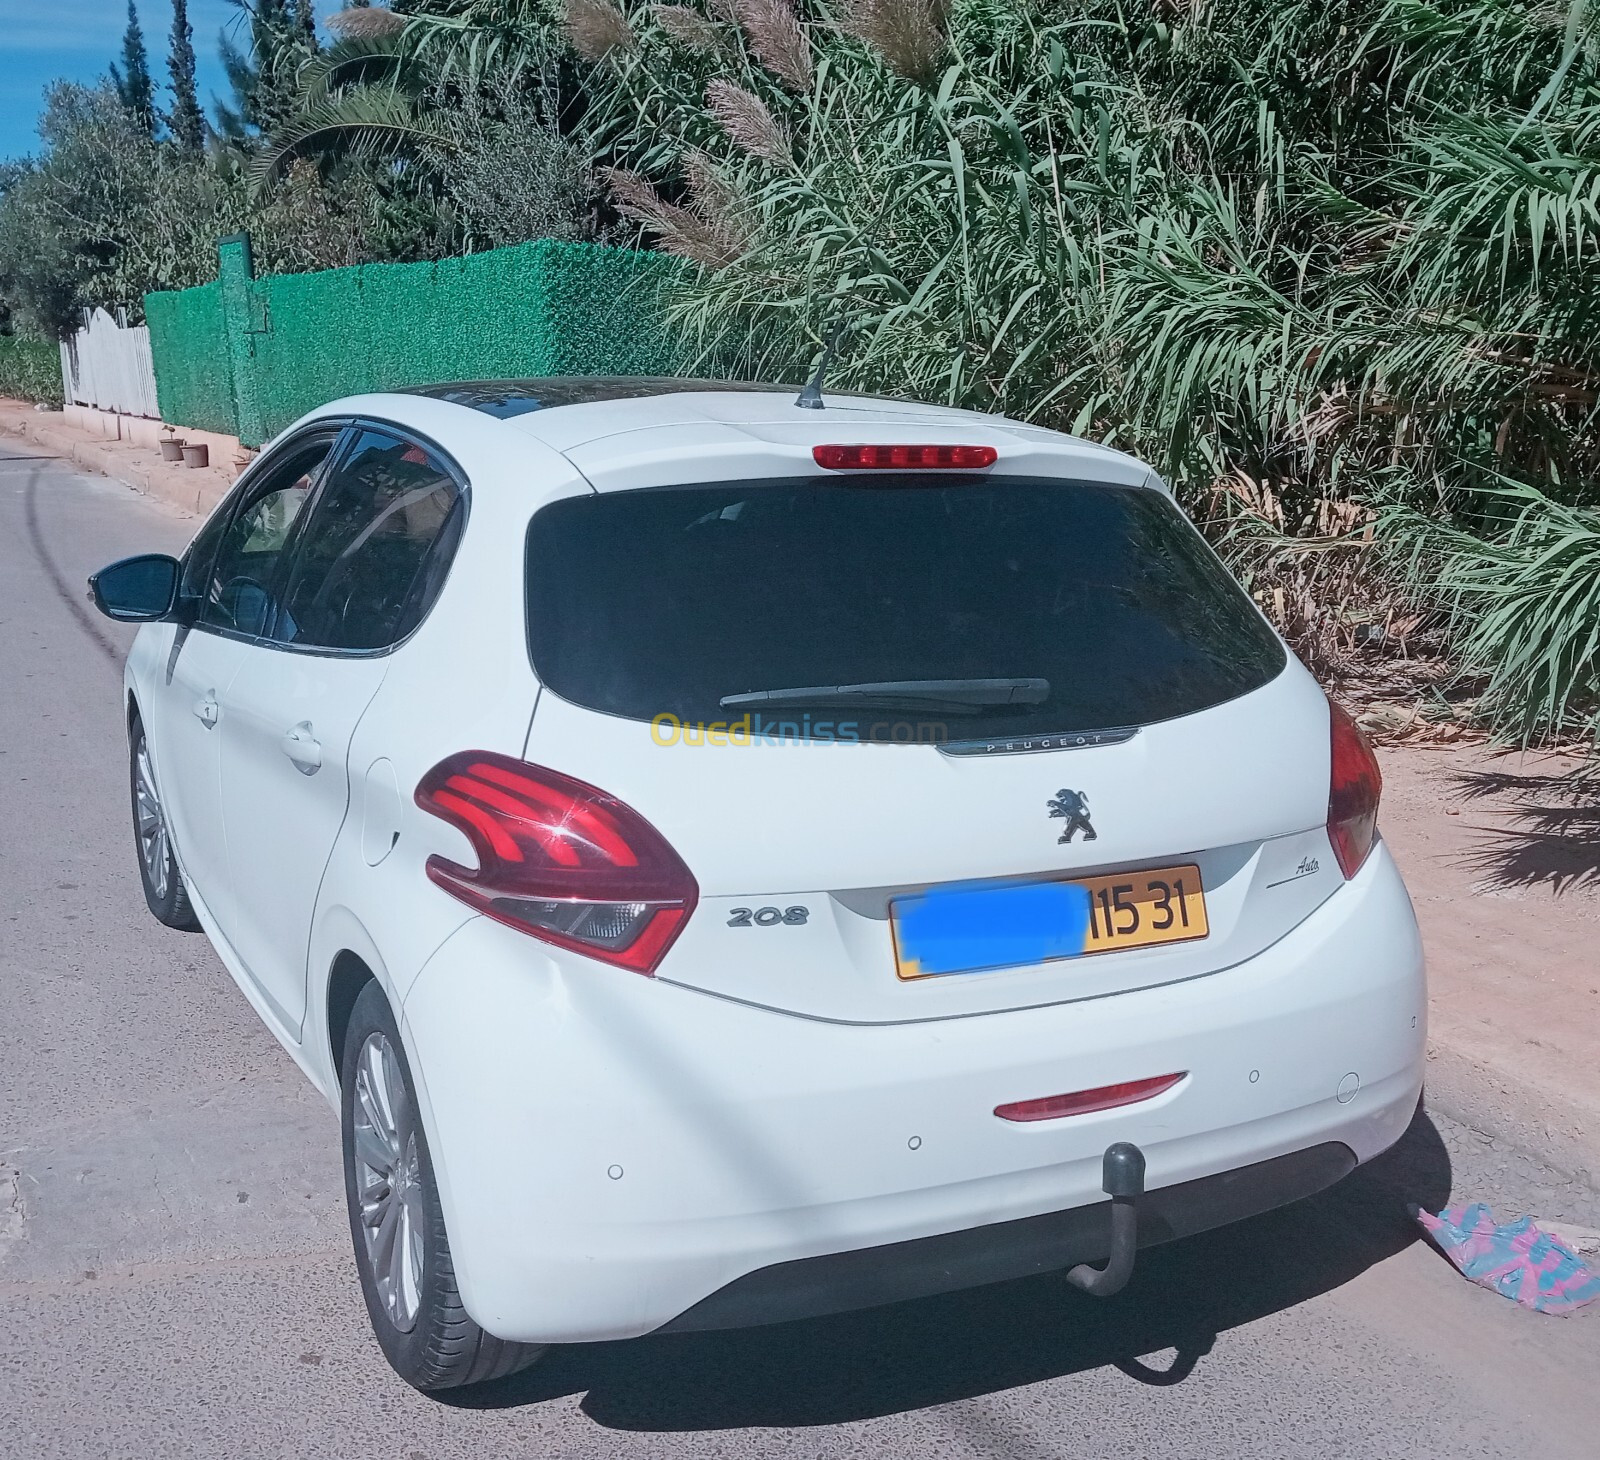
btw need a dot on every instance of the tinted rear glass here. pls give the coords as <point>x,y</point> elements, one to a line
<point>664,601</point>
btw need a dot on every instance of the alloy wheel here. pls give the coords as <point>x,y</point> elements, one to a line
<point>389,1180</point>
<point>152,825</point>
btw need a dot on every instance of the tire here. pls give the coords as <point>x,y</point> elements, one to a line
<point>415,1308</point>
<point>164,889</point>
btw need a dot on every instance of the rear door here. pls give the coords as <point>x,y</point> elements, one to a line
<point>364,570</point>
<point>834,696</point>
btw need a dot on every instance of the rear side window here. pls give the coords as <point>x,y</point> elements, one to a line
<point>666,601</point>
<point>373,553</point>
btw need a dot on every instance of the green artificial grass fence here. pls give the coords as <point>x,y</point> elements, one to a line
<point>189,347</point>
<point>247,356</point>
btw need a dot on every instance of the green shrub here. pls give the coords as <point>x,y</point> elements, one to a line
<point>1337,258</point>
<point>1523,598</point>
<point>30,369</point>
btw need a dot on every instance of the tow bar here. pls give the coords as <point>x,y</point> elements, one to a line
<point>1122,1177</point>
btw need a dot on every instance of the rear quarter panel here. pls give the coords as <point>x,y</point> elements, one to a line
<point>463,681</point>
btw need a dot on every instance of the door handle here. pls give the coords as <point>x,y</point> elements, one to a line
<point>303,748</point>
<point>206,711</point>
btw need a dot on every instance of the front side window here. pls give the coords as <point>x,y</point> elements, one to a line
<point>373,554</point>
<point>235,584</point>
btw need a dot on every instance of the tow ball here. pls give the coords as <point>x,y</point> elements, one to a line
<point>1122,1177</point>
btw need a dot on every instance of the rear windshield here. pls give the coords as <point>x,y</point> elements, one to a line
<point>666,601</point>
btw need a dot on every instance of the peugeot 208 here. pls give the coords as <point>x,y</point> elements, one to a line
<point>729,862</point>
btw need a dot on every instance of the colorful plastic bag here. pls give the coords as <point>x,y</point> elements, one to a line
<point>1519,1261</point>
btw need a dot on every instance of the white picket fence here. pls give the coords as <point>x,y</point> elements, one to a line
<point>107,365</point>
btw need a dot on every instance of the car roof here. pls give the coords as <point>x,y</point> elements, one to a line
<point>625,431</point>
<point>506,398</point>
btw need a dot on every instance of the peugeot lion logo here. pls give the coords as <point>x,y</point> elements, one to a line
<point>1074,806</point>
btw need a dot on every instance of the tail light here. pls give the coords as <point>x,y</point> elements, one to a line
<point>1355,784</point>
<point>559,859</point>
<point>903,458</point>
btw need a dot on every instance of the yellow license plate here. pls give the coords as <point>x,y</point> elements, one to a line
<point>1136,909</point>
<point>969,929</point>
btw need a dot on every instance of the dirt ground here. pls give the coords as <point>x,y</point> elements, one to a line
<point>1502,856</point>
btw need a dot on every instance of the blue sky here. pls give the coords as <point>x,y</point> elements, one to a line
<point>41,40</point>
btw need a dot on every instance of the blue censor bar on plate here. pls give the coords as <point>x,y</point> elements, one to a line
<point>966,929</point>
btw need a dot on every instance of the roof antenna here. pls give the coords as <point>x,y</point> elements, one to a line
<point>810,399</point>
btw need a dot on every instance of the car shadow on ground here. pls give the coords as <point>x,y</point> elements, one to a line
<point>1552,831</point>
<point>936,1350</point>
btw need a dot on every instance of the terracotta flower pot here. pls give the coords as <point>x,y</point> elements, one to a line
<point>197,455</point>
<point>172,448</point>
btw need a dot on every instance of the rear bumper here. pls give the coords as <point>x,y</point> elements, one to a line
<point>618,1155</point>
<point>840,1281</point>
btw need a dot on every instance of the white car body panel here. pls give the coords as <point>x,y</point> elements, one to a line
<point>664,455</point>
<point>842,828</point>
<point>282,821</point>
<point>745,1138</point>
<point>185,748</point>
<point>759,1094</point>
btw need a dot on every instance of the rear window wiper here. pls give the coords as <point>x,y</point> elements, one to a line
<point>954,696</point>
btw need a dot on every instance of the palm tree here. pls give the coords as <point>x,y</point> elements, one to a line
<point>358,98</point>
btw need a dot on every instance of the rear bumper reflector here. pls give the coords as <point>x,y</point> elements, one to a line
<point>1082,1102</point>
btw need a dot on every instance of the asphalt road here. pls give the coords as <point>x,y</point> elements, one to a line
<point>175,1276</point>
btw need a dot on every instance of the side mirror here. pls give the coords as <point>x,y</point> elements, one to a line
<point>137,590</point>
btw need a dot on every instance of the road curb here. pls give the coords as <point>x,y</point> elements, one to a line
<point>1544,1124</point>
<point>191,489</point>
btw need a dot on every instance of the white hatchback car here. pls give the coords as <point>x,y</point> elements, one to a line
<point>730,862</point>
